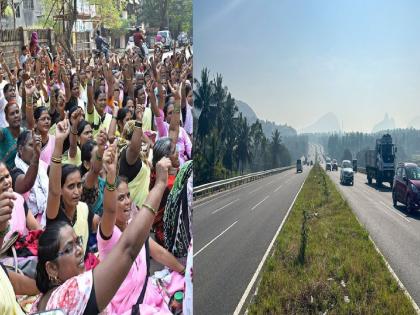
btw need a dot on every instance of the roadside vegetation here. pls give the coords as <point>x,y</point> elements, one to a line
<point>226,144</point>
<point>324,263</point>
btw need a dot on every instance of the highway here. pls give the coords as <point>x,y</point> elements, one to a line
<point>232,231</point>
<point>396,234</point>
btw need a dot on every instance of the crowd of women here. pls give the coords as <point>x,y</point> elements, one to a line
<point>95,182</point>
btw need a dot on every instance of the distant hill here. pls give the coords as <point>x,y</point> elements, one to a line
<point>387,123</point>
<point>327,123</point>
<point>415,123</point>
<point>268,126</point>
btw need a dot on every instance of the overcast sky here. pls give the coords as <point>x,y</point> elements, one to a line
<point>293,61</point>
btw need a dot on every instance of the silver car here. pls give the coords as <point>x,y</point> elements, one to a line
<point>346,173</point>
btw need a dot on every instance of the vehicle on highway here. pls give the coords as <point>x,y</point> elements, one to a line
<point>354,165</point>
<point>183,39</point>
<point>380,162</point>
<point>299,166</point>
<point>346,173</point>
<point>164,38</point>
<point>406,188</point>
<point>328,165</point>
<point>312,162</point>
<point>334,165</point>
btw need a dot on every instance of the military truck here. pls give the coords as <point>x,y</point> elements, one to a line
<point>380,162</point>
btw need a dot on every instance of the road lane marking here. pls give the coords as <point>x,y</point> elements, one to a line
<point>393,210</point>
<point>255,276</point>
<point>269,183</point>
<point>227,205</point>
<point>278,188</point>
<point>209,243</point>
<point>260,202</point>
<point>255,190</point>
<point>231,190</point>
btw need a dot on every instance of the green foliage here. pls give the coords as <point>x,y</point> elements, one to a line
<point>225,144</point>
<point>175,14</point>
<point>324,263</point>
<point>406,140</point>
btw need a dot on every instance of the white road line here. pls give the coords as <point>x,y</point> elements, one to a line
<point>269,183</point>
<point>209,243</point>
<point>227,205</point>
<point>256,189</point>
<point>260,202</point>
<point>278,188</point>
<point>255,276</point>
<point>395,211</point>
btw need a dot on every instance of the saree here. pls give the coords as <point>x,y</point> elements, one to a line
<point>177,215</point>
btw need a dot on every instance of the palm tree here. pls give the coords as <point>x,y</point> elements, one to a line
<point>202,100</point>
<point>243,153</point>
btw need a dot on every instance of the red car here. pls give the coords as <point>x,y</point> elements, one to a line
<point>406,186</point>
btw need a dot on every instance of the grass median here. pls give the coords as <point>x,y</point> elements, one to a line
<point>324,263</point>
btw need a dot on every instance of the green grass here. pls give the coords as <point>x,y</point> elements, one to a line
<point>323,255</point>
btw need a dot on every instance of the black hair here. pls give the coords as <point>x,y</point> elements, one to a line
<point>6,87</point>
<point>48,247</point>
<point>120,179</point>
<point>38,111</point>
<point>81,126</point>
<point>97,93</point>
<point>165,108</point>
<point>66,171</point>
<point>86,155</point>
<point>122,112</point>
<point>162,148</point>
<point>23,138</point>
<point>24,47</point>
<point>126,99</point>
<point>136,91</point>
<point>98,32</point>
<point>187,89</point>
<point>6,108</point>
<point>71,105</point>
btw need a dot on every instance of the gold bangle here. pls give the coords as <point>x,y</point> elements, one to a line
<point>56,160</point>
<point>150,208</point>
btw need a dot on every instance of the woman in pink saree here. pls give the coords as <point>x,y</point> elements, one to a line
<point>115,220</point>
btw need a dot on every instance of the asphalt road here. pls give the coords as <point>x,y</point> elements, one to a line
<point>395,233</point>
<point>232,231</point>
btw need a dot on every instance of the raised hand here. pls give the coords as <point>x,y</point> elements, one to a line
<point>30,87</point>
<point>6,208</point>
<point>63,129</point>
<point>37,145</point>
<point>75,118</point>
<point>110,159</point>
<point>139,112</point>
<point>162,168</point>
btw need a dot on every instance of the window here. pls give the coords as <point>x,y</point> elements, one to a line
<point>18,11</point>
<point>28,4</point>
<point>403,173</point>
<point>399,172</point>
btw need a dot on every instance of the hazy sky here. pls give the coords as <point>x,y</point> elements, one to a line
<point>293,61</point>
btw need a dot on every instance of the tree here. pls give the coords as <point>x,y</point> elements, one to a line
<point>275,148</point>
<point>202,98</point>
<point>347,155</point>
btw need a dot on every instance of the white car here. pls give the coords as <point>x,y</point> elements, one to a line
<point>346,173</point>
<point>165,39</point>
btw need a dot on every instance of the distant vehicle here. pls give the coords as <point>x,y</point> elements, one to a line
<point>406,188</point>
<point>334,165</point>
<point>328,165</point>
<point>299,166</point>
<point>380,162</point>
<point>346,173</point>
<point>312,163</point>
<point>165,38</point>
<point>354,165</point>
<point>183,39</point>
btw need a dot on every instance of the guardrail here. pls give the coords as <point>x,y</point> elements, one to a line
<point>206,189</point>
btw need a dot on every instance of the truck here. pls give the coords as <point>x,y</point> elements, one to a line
<point>380,162</point>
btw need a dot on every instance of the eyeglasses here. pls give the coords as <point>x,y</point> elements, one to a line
<point>70,247</point>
